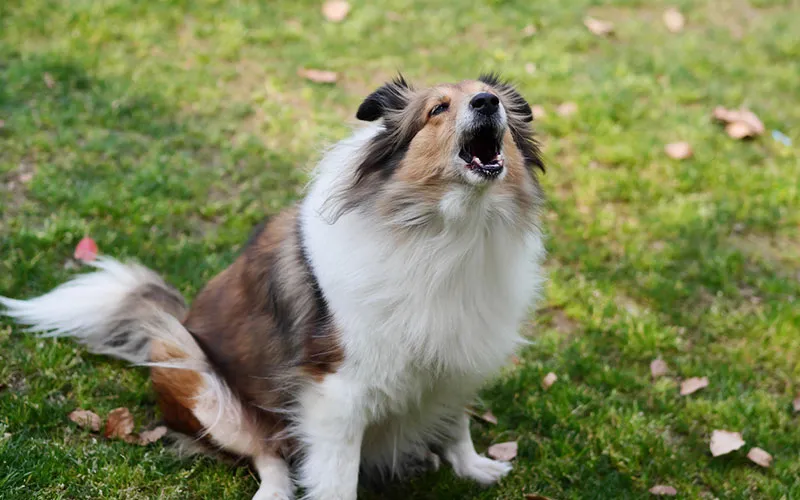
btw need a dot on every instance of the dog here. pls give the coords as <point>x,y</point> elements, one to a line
<point>353,329</point>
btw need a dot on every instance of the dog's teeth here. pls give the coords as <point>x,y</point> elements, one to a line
<point>477,161</point>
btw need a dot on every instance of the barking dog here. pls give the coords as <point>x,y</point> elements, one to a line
<point>354,327</point>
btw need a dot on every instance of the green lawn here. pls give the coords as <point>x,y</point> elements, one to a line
<point>165,130</point>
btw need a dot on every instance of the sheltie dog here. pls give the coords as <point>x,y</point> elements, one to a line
<point>354,328</point>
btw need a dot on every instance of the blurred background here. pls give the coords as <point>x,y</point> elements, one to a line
<point>165,130</point>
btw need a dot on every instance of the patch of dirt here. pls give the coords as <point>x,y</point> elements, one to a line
<point>778,252</point>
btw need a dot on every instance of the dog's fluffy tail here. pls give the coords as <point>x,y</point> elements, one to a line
<point>117,310</point>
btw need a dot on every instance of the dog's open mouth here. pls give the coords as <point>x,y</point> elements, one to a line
<point>482,153</point>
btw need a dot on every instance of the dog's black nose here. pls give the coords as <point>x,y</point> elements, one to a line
<point>485,103</point>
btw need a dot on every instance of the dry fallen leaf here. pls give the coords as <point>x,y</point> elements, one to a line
<point>694,384</point>
<point>119,423</point>
<point>538,111</point>
<point>796,404</point>
<point>678,150</point>
<point>48,80</point>
<point>503,451</point>
<point>724,442</point>
<point>152,435</point>
<point>738,130</point>
<point>86,250</point>
<point>663,490</point>
<point>530,68</point>
<point>658,368</point>
<point>567,109</point>
<point>515,360</point>
<point>760,457</point>
<point>86,419</point>
<point>318,75</point>
<point>536,496</point>
<point>2,123</point>
<point>549,380</point>
<point>335,10</point>
<point>529,30</point>
<point>674,20</point>
<point>599,27</point>
<point>740,123</point>
<point>489,417</point>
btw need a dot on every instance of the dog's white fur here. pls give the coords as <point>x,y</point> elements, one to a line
<point>424,320</point>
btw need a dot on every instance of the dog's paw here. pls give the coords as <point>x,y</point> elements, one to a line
<point>481,469</point>
<point>268,492</point>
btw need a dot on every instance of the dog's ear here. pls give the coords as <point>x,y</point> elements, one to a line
<point>512,99</point>
<point>393,96</point>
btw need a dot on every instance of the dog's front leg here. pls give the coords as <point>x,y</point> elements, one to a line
<point>331,426</point>
<point>466,462</point>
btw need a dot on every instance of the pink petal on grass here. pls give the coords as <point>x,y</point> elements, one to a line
<point>724,442</point>
<point>759,457</point>
<point>678,150</point>
<point>503,451</point>
<point>692,385</point>
<point>318,75</point>
<point>86,419</point>
<point>663,490</point>
<point>549,380</point>
<point>599,27</point>
<point>658,368</point>
<point>335,10</point>
<point>87,250</point>
<point>674,20</point>
<point>489,417</point>
<point>152,435</point>
<point>567,109</point>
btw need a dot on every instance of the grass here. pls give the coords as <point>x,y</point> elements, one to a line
<point>167,129</point>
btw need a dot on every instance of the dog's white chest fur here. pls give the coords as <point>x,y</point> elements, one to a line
<point>424,319</point>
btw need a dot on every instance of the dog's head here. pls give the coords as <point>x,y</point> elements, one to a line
<point>474,136</point>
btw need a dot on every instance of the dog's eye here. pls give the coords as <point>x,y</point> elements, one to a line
<point>439,108</point>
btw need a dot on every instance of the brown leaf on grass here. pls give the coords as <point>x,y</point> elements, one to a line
<point>796,404</point>
<point>335,10</point>
<point>599,27</point>
<point>530,68</point>
<point>503,451</point>
<point>152,435</point>
<point>724,442</point>
<point>739,123</point>
<point>759,457</point>
<point>678,150</point>
<point>318,75</point>
<point>536,496</point>
<point>692,385</point>
<point>674,20</point>
<point>567,109</point>
<point>529,30</point>
<point>658,368</point>
<point>86,419</point>
<point>48,80</point>
<point>119,423</point>
<point>515,360</point>
<point>549,380</point>
<point>2,123</point>
<point>663,490</point>
<point>489,417</point>
<point>738,130</point>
